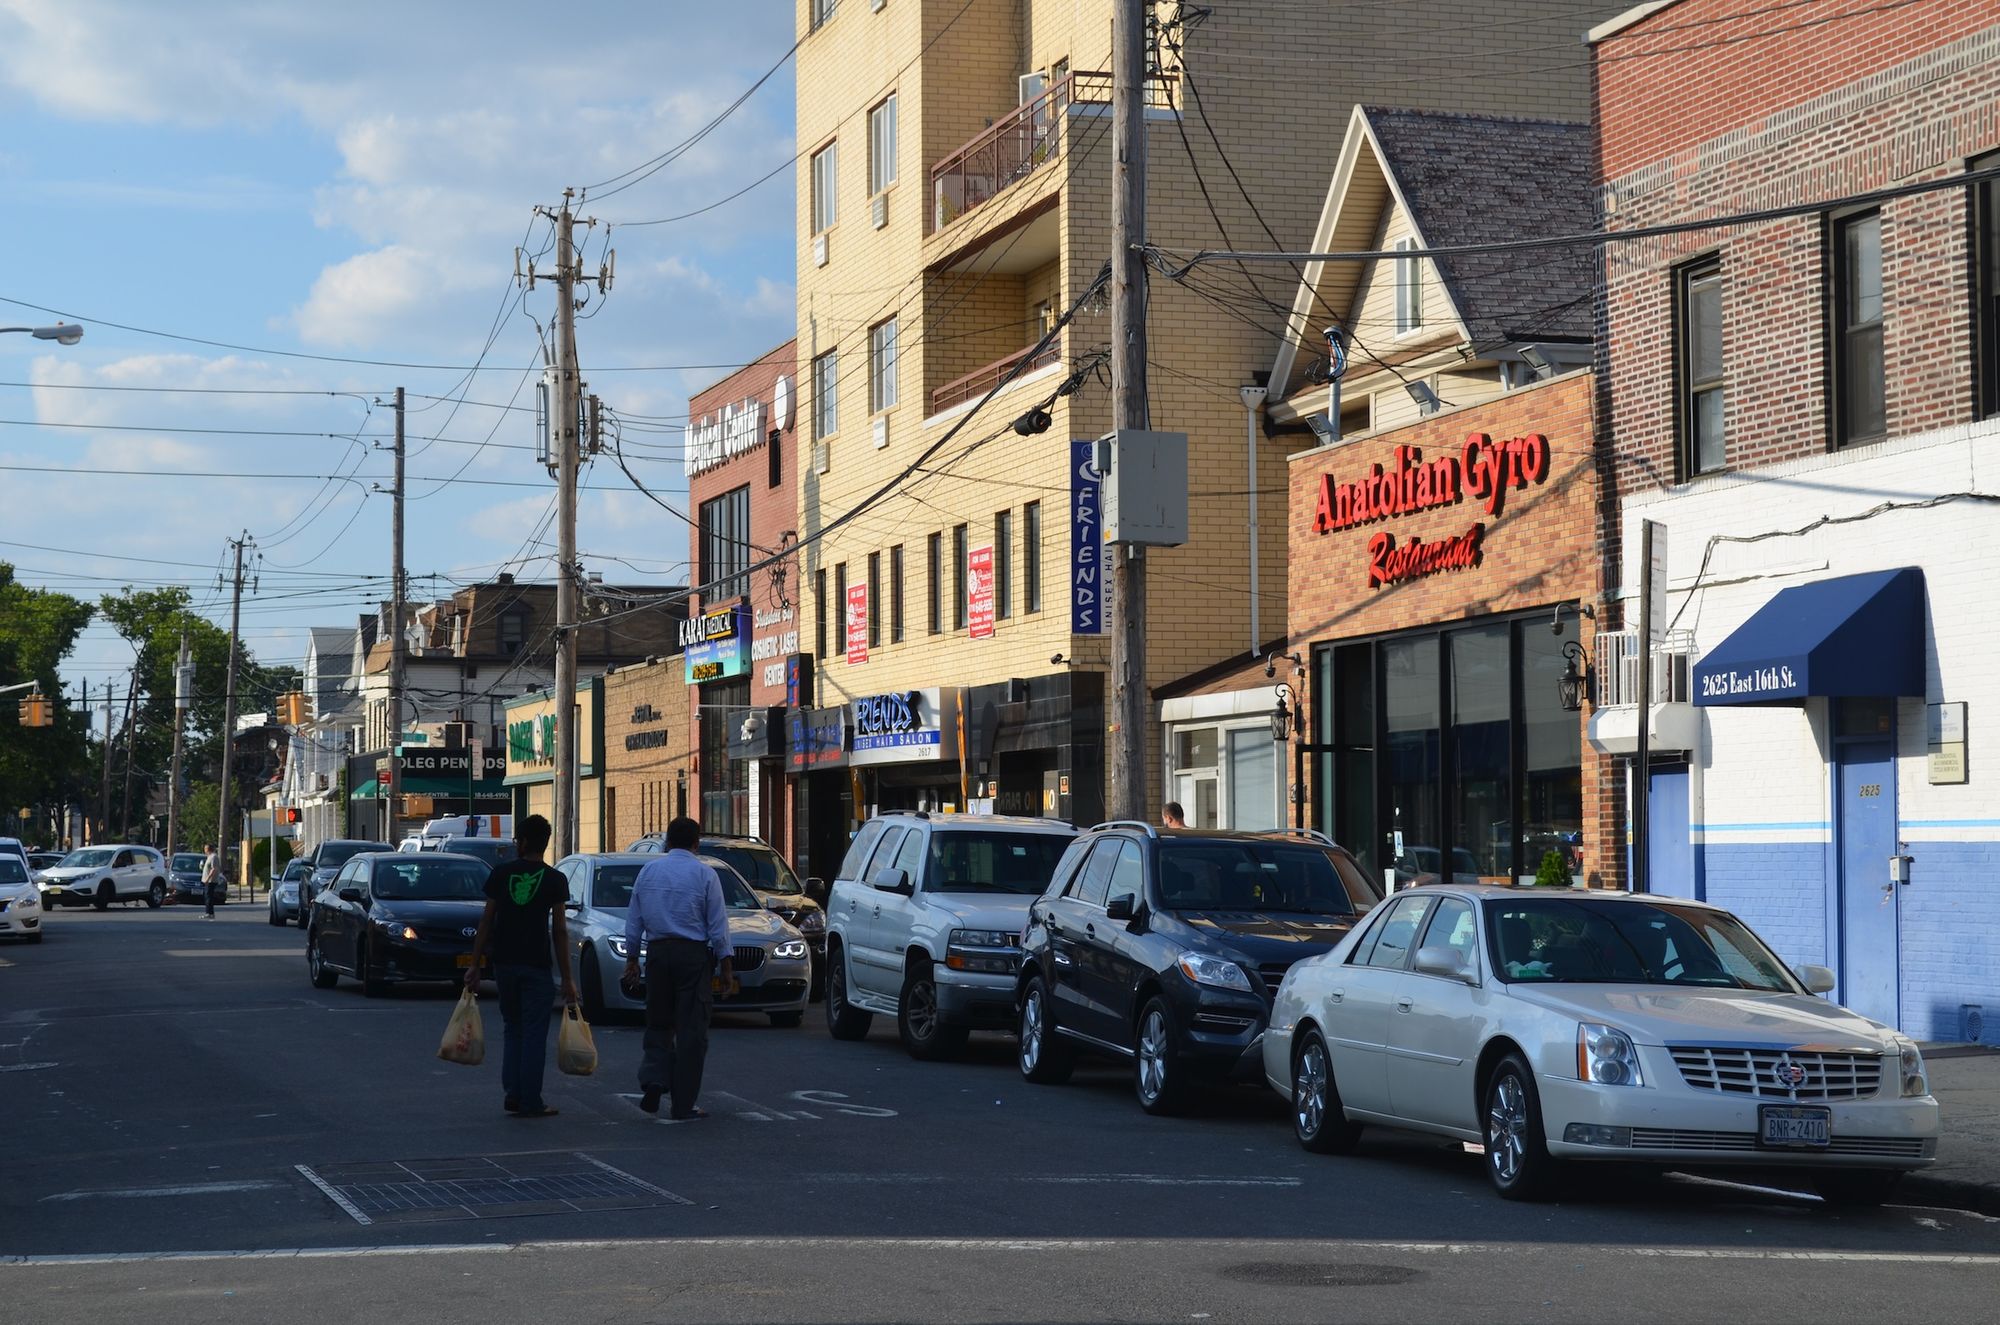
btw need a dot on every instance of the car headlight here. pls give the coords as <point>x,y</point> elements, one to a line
<point>791,950</point>
<point>619,948</point>
<point>406,933</point>
<point>986,951</point>
<point>813,922</point>
<point>1216,972</point>
<point>1915,1082</point>
<point>1605,1055</point>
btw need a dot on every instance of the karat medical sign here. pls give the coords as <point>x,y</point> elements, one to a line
<point>716,644</point>
<point>894,728</point>
<point>724,435</point>
<point>531,740</point>
<point>1483,469</point>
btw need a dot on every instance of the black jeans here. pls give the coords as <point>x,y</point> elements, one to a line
<point>209,892</point>
<point>527,999</point>
<point>678,997</point>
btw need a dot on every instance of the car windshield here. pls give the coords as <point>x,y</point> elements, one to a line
<point>492,850</point>
<point>332,855</point>
<point>295,870</point>
<point>12,871</point>
<point>1292,877</point>
<point>93,858</point>
<point>187,862</point>
<point>736,894</point>
<point>428,878</point>
<point>983,861</point>
<point>1571,941</point>
<point>761,866</point>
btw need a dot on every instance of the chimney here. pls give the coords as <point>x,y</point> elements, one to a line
<point>504,577</point>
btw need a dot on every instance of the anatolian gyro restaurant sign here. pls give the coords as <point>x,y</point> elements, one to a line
<point>1483,468</point>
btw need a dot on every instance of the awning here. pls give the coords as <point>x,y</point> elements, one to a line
<point>367,791</point>
<point>1853,636</point>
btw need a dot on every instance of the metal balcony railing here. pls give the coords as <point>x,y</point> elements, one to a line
<point>981,380</point>
<point>1618,667</point>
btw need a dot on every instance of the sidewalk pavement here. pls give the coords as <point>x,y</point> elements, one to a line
<point>1966,1080</point>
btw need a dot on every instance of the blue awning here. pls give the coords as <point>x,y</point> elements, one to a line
<point>1853,636</point>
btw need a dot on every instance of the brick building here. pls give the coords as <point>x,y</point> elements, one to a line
<point>648,750</point>
<point>1804,406</point>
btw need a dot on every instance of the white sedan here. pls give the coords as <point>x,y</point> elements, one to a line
<point>20,902</point>
<point>1552,1025</point>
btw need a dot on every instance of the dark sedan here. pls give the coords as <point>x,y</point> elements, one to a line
<point>184,876</point>
<point>393,917</point>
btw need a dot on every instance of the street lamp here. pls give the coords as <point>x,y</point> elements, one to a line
<point>62,333</point>
<point>1574,684</point>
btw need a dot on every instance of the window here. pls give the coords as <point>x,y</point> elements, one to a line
<point>882,145</point>
<point>825,185</point>
<point>1089,887</point>
<point>822,10</point>
<point>1003,565</point>
<point>1045,319</point>
<point>775,444</point>
<point>513,629</point>
<point>882,366</point>
<point>819,615</point>
<point>1698,366</point>
<point>1391,943</point>
<point>896,594</point>
<point>725,545</point>
<point>840,606</point>
<point>1409,288</point>
<point>958,580</point>
<point>1986,260</point>
<point>874,597</point>
<point>1128,877</point>
<point>826,404</point>
<point>1451,927</point>
<point>1031,557</point>
<point>934,582</point>
<point>1857,307</point>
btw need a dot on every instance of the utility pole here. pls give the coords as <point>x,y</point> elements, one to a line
<point>1128,400</point>
<point>228,784</point>
<point>104,807</point>
<point>183,694</point>
<point>1642,759</point>
<point>131,731</point>
<point>392,785</point>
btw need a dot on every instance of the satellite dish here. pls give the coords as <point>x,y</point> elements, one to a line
<point>781,403</point>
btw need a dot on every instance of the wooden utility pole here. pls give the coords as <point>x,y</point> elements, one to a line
<point>183,697</point>
<point>131,732</point>
<point>1127,753</point>
<point>392,782</point>
<point>103,832</point>
<point>564,785</point>
<point>228,781</point>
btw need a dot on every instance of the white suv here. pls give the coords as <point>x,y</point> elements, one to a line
<point>98,876</point>
<point>924,923</point>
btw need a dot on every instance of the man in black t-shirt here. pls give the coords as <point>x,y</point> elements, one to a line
<point>525,920</point>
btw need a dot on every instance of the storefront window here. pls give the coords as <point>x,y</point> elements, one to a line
<point>725,783</point>
<point>1253,783</point>
<point>1482,756</point>
<point>1415,828</point>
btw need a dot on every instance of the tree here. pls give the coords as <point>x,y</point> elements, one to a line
<point>198,811</point>
<point>46,766</point>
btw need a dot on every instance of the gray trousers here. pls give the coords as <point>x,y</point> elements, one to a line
<point>678,998</point>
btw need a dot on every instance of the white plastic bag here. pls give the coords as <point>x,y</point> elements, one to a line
<point>576,1052</point>
<point>464,1038</point>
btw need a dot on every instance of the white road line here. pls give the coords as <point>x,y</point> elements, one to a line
<point>1070,1180</point>
<point>640,1183</point>
<point>333,1194</point>
<point>287,953</point>
<point>191,1189</point>
<point>27,1067</point>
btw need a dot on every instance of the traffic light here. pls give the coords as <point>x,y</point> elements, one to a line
<point>291,815</point>
<point>293,710</point>
<point>36,711</point>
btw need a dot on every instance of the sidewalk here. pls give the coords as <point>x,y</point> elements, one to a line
<point>1966,1081</point>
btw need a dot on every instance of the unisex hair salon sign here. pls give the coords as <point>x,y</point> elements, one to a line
<point>1483,469</point>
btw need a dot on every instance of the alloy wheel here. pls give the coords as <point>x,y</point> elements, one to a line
<point>1506,1127</point>
<point>1153,1055</point>
<point>1031,1030</point>
<point>1309,1090</point>
<point>921,1012</point>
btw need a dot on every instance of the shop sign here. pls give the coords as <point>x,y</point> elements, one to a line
<point>724,435</point>
<point>532,740</point>
<point>815,738</point>
<point>1086,541</point>
<point>897,728</point>
<point>644,715</point>
<point>715,644</point>
<point>773,637</point>
<point>1389,563</point>
<point>1483,467</point>
<point>979,591</point>
<point>456,763</point>
<point>799,681</point>
<point>856,631</point>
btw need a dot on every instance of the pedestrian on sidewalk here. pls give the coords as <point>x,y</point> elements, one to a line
<point>525,922</point>
<point>211,878</point>
<point>677,913</point>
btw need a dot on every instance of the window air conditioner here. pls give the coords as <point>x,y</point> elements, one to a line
<point>881,432</point>
<point>819,250</point>
<point>879,209</point>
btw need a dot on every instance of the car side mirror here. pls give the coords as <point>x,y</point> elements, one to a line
<point>816,889</point>
<point>1444,962</point>
<point>893,880</point>
<point>1122,907</point>
<point>350,894</point>
<point>1816,979</point>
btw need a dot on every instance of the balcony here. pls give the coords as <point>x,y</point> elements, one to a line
<point>981,380</point>
<point>1614,725</point>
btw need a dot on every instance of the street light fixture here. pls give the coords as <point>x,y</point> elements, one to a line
<point>62,333</point>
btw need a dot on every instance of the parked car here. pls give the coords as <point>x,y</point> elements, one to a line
<point>285,893</point>
<point>390,917</point>
<point>1556,1025</point>
<point>924,924</point>
<point>773,961</point>
<point>100,875</point>
<point>327,858</point>
<point>1165,949</point>
<point>43,860</point>
<point>20,902</point>
<point>13,846</point>
<point>801,904</point>
<point>1420,865</point>
<point>184,876</point>
<point>492,850</point>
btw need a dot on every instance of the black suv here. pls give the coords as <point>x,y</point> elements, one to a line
<point>1167,947</point>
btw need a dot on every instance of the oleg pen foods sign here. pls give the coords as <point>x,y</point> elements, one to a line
<point>1484,469</point>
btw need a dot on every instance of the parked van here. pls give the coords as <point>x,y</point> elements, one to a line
<point>468,825</point>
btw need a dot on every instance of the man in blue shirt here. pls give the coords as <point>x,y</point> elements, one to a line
<point>677,913</point>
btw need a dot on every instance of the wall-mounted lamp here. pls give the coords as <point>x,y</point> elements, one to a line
<point>1427,399</point>
<point>1575,609</point>
<point>1574,684</point>
<point>1281,721</point>
<point>1538,360</point>
<point>1271,664</point>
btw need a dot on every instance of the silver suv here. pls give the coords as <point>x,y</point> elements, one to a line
<point>924,923</point>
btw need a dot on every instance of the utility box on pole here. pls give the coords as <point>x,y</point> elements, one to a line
<point>1145,487</point>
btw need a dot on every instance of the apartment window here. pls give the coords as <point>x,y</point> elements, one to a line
<point>513,629</point>
<point>1698,366</point>
<point>874,597</point>
<point>1045,319</point>
<point>882,145</point>
<point>825,187</point>
<point>1986,259</point>
<point>826,403</point>
<point>775,444</point>
<point>934,582</point>
<point>819,615</point>
<point>882,366</point>
<point>1409,288</point>
<point>1857,307</point>
<point>1031,557</point>
<point>1003,565</point>
<point>958,585</point>
<point>725,545</point>
<point>896,594</point>
<point>840,606</point>
<point>822,10</point>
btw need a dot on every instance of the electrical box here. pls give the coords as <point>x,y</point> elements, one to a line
<point>1145,487</point>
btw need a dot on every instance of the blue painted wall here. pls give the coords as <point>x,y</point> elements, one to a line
<point>1950,937</point>
<point>1779,888</point>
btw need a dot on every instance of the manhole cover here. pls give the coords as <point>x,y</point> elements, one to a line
<point>1290,1274</point>
<point>414,1190</point>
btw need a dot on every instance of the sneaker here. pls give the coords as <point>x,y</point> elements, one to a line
<point>511,1105</point>
<point>546,1111</point>
<point>650,1101</point>
<point>690,1115</point>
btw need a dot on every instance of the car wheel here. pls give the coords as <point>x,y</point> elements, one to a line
<point>1856,1187</point>
<point>372,985</point>
<point>322,975</point>
<point>1517,1152</point>
<point>787,1020</point>
<point>35,937</point>
<point>1158,1076</point>
<point>590,988</point>
<point>104,898</point>
<point>156,895</point>
<point>1045,1059</point>
<point>276,919</point>
<point>1317,1117</point>
<point>843,1020</point>
<point>302,917</point>
<point>919,1019</point>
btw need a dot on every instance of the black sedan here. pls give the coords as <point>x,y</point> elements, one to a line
<point>393,917</point>
<point>1166,949</point>
<point>184,876</point>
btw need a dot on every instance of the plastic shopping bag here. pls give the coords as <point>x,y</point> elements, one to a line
<point>464,1040</point>
<point>576,1052</point>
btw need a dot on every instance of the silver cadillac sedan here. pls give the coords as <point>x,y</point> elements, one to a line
<point>773,961</point>
<point>1553,1025</point>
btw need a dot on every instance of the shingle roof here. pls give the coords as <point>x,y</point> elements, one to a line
<point>1477,179</point>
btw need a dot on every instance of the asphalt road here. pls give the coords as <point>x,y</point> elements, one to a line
<point>176,1086</point>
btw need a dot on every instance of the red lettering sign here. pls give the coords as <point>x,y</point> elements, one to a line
<point>979,591</point>
<point>1388,563</point>
<point>857,623</point>
<point>1483,467</point>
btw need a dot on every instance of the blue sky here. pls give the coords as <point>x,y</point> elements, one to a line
<point>351,181</point>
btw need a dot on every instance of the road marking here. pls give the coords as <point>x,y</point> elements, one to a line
<point>191,1189</point>
<point>26,1067</point>
<point>640,1183</point>
<point>833,1099</point>
<point>333,1194</point>
<point>231,952</point>
<point>1065,1180</point>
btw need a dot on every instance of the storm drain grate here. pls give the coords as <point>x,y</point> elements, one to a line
<point>424,1190</point>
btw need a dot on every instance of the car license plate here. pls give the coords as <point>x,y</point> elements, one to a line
<point>464,960</point>
<point>1794,1126</point>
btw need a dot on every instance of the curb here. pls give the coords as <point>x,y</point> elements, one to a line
<point>1950,1193</point>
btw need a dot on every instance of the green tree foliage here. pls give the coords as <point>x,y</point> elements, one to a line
<point>198,811</point>
<point>1553,872</point>
<point>38,628</point>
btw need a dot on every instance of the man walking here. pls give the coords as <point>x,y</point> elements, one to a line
<point>211,879</point>
<point>525,920</point>
<point>677,913</point>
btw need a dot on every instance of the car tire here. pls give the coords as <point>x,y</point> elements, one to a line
<point>1042,1057</point>
<point>276,919</point>
<point>1856,1187</point>
<point>156,896</point>
<point>1159,1078</point>
<point>787,1020</point>
<point>1318,1121</point>
<point>321,975</point>
<point>372,985</point>
<point>35,937</point>
<point>926,1035</point>
<point>105,896</point>
<point>844,1021</point>
<point>1518,1163</point>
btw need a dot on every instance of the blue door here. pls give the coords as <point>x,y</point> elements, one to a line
<point>1669,851</point>
<point>1865,839</point>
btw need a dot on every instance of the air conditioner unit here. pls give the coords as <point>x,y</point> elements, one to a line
<point>822,457</point>
<point>878,207</point>
<point>881,432</point>
<point>819,250</point>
